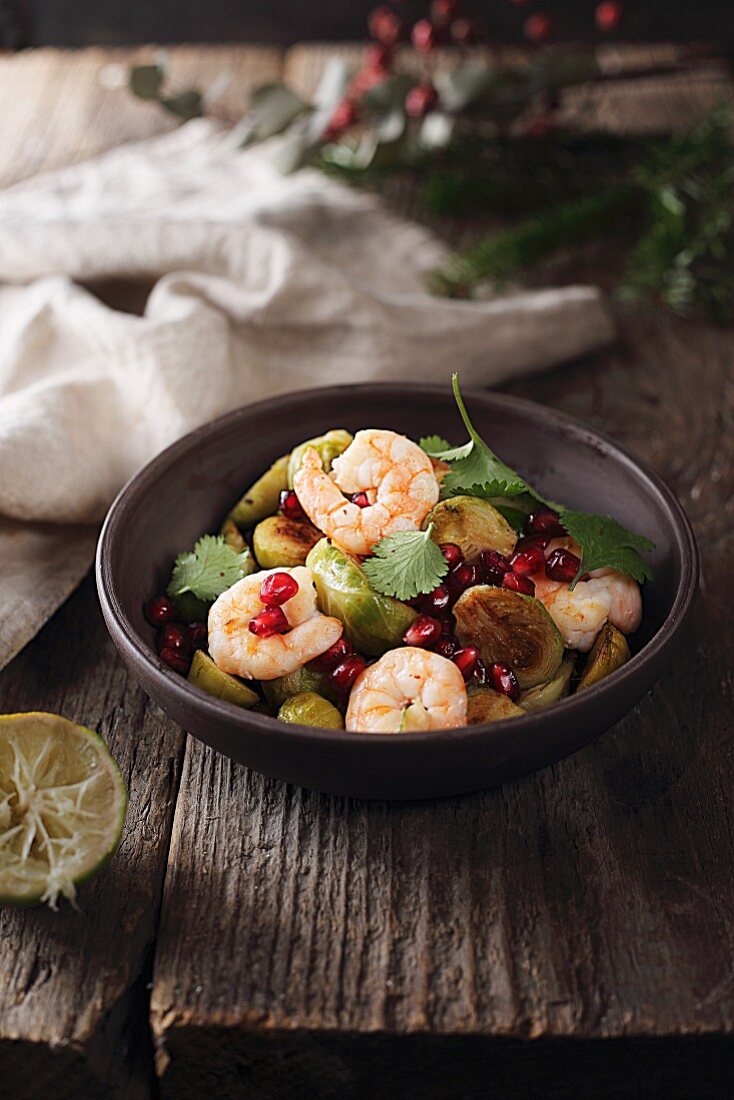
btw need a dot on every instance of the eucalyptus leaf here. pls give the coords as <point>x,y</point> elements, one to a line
<point>272,108</point>
<point>146,81</point>
<point>185,105</point>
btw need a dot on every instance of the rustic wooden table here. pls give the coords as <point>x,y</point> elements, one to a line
<point>571,934</point>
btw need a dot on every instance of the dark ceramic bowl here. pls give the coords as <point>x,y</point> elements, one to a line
<point>186,490</point>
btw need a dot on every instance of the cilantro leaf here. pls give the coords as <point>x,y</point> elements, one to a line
<point>406,564</point>
<point>208,570</point>
<point>433,444</point>
<point>604,542</point>
<point>475,468</point>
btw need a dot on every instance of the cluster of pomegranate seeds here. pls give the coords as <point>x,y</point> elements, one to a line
<point>503,679</point>
<point>423,632</point>
<point>277,589</point>
<point>159,610</point>
<point>270,621</point>
<point>562,565</point>
<point>466,660</point>
<point>518,583</point>
<point>360,499</point>
<point>176,641</point>
<point>493,566</point>
<point>290,505</point>
<point>527,561</point>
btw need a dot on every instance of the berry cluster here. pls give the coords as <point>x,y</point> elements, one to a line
<point>176,641</point>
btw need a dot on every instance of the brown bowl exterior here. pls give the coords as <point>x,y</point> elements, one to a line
<point>186,490</point>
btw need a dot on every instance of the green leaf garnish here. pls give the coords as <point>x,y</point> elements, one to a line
<point>208,570</point>
<point>406,564</point>
<point>434,444</point>
<point>604,542</point>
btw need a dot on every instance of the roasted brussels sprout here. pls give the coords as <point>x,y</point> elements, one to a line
<point>473,524</point>
<point>310,709</point>
<point>610,651</point>
<point>205,674</point>
<point>485,705</point>
<point>514,629</point>
<point>279,540</point>
<point>329,446</point>
<point>545,694</point>
<point>261,499</point>
<point>305,679</point>
<point>373,623</point>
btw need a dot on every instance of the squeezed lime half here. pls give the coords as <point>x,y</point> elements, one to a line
<point>62,807</point>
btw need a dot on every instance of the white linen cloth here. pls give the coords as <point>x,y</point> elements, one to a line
<point>262,284</point>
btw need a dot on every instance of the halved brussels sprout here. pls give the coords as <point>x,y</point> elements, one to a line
<point>305,679</point>
<point>473,524</point>
<point>485,705</point>
<point>205,675</point>
<point>609,652</point>
<point>509,627</point>
<point>545,694</point>
<point>279,540</point>
<point>309,709</point>
<point>329,446</point>
<point>373,623</point>
<point>262,498</point>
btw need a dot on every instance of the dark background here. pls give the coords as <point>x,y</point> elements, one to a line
<point>281,22</point>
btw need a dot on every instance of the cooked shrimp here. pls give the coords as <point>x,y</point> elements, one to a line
<point>396,475</point>
<point>234,649</point>
<point>408,689</point>
<point>608,595</point>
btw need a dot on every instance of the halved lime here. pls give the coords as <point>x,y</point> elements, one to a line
<point>62,807</point>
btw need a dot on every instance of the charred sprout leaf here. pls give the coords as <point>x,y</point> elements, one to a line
<point>473,524</point>
<point>434,444</point>
<point>146,81</point>
<point>208,570</point>
<point>406,564</point>
<point>310,709</point>
<point>205,675</point>
<point>610,652</point>
<point>604,542</point>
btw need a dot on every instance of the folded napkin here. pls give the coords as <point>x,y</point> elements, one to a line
<point>261,284</point>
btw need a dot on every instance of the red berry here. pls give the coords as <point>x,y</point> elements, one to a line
<point>454,554</point>
<point>424,36</point>
<point>277,589</point>
<point>290,505</point>
<point>159,611</point>
<point>270,621</point>
<point>420,100</point>
<point>544,521</point>
<point>527,561</point>
<point>503,680</point>
<point>343,675</point>
<point>608,15</point>
<point>360,499</point>
<point>446,646</point>
<point>344,116</point>
<point>199,635</point>
<point>384,25</point>
<point>466,660</point>
<point>423,632</point>
<point>516,583</point>
<point>537,27</point>
<point>179,662</point>
<point>378,56</point>
<point>465,32</point>
<point>460,578</point>
<point>562,565</point>
<point>444,12</point>
<point>332,656</point>
<point>435,601</point>
<point>175,636</point>
<point>492,566</point>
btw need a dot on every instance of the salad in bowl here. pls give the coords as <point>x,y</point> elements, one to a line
<point>379,584</point>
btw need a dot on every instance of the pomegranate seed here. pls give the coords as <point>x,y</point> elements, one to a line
<point>533,540</point>
<point>420,100</point>
<point>444,12</point>
<point>562,565</point>
<point>332,656</point>
<point>175,636</point>
<point>436,600</point>
<point>453,553</point>
<point>465,32</point>
<point>277,589</point>
<point>460,578</point>
<point>378,56</point>
<point>360,499</point>
<point>492,566</point>
<point>466,660</point>
<point>503,680</point>
<point>537,27</point>
<point>423,632</point>
<point>343,675</point>
<point>290,505</point>
<point>424,36</point>
<point>608,15</point>
<point>176,660</point>
<point>516,583</point>
<point>527,561</point>
<point>384,25</point>
<point>199,635</point>
<point>544,521</point>
<point>159,611</point>
<point>447,647</point>
<point>270,621</point>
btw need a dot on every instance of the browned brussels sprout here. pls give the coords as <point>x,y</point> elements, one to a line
<point>552,691</point>
<point>279,540</point>
<point>610,651</point>
<point>473,524</point>
<point>207,676</point>
<point>485,705</point>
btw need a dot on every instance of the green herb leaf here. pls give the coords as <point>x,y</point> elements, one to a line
<point>604,542</point>
<point>406,564</point>
<point>208,570</point>
<point>434,444</point>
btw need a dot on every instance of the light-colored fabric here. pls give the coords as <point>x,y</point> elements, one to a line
<point>262,284</point>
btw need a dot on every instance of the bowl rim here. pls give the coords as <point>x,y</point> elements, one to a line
<point>125,635</point>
